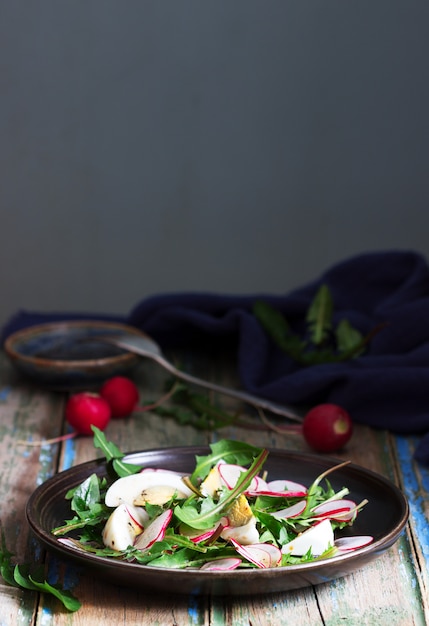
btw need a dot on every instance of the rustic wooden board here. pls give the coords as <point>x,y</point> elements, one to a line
<point>392,590</point>
<point>26,413</point>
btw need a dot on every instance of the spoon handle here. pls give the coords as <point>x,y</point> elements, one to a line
<point>146,347</point>
<point>248,398</point>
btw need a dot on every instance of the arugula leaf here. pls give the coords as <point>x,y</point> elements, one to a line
<point>195,409</point>
<point>86,494</point>
<point>27,581</point>
<point>322,342</point>
<point>227,450</point>
<point>277,327</point>
<point>319,316</point>
<point>113,454</point>
<point>6,568</point>
<point>21,576</point>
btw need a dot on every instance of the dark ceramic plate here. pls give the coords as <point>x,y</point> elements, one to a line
<point>384,517</point>
<point>67,355</point>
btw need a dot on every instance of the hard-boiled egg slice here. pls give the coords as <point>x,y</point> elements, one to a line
<point>318,539</point>
<point>246,534</point>
<point>123,526</point>
<point>156,487</point>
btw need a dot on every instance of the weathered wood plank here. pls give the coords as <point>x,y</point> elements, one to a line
<point>414,479</point>
<point>25,414</point>
<point>297,607</point>
<point>374,596</point>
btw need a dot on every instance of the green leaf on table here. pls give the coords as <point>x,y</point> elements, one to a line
<point>195,409</point>
<point>321,341</point>
<point>319,316</point>
<point>277,327</point>
<point>26,580</point>
<point>6,567</point>
<point>23,577</point>
<point>349,340</point>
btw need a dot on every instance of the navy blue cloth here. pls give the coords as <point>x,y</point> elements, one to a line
<point>387,387</point>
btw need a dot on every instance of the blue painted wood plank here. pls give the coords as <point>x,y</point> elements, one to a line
<point>415,483</point>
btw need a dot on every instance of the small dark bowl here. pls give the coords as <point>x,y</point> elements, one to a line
<point>67,355</point>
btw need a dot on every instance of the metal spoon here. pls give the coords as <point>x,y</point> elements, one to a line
<point>147,347</point>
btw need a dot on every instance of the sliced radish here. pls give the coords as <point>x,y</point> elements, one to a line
<point>280,489</point>
<point>246,534</point>
<point>71,543</point>
<point>277,494</point>
<point>318,539</point>
<point>203,536</point>
<point>155,531</point>
<point>156,487</point>
<point>286,485</point>
<point>198,537</point>
<point>338,510</point>
<point>230,474</point>
<point>347,544</point>
<point>261,554</point>
<point>123,526</point>
<point>291,511</point>
<point>221,565</point>
<point>139,516</point>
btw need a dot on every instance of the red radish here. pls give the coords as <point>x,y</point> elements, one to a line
<point>121,394</point>
<point>86,409</point>
<point>327,427</point>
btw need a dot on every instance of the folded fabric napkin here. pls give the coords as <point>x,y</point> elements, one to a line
<point>387,387</point>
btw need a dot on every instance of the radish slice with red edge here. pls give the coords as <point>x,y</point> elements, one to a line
<point>285,485</point>
<point>280,489</point>
<point>221,565</point>
<point>230,474</point>
<point>208,534</point>
<point>262,555</point>
<point>277,494</point>
<point>338,510</point>
<point>291,511</point>
<point>155,531</point>
<point>348,544</point>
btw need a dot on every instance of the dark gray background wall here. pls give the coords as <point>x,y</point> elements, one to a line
<point>205,145</point>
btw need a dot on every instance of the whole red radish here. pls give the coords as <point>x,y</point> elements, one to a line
<point>121,394</point>
<point>86,409</point>
<point>327,427</point>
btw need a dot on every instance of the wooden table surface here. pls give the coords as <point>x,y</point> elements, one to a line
<point>393,589</point>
